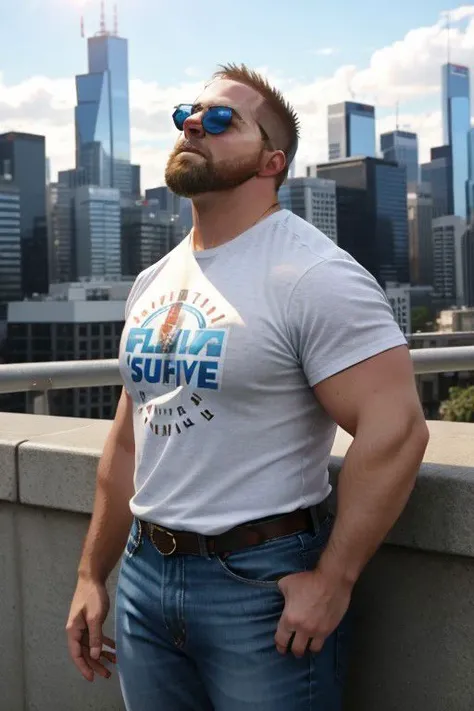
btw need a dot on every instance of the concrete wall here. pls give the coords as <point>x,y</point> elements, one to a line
<point>413,645</point>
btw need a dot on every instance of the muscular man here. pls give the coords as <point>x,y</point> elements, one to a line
<point>243,349</point>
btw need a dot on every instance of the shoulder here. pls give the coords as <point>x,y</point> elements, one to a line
<point>315,262</point>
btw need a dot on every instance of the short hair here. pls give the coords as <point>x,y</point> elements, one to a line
<point>275,102</point>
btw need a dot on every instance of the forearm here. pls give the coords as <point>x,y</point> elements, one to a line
<point>111,518</point>
<point>374,485</point>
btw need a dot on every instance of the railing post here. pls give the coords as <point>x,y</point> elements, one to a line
<point>42,403</point>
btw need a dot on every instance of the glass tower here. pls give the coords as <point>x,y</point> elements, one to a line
<point>23,158</point>
<point>439,175</point>
<point>372,217</point>
<point>456,126</point>
<point>351,130</point>
<point>103,114</point>
<point>402,147</point>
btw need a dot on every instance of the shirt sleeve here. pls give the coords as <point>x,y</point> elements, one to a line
<point>339,316</point>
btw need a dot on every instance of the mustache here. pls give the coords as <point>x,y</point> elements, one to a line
<point>187,146</point>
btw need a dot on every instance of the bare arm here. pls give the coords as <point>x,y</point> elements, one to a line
<point>375,401</point>
<point>111,518</point>
<point>105,541</point>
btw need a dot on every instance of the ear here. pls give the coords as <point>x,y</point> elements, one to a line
<point>272,164</point>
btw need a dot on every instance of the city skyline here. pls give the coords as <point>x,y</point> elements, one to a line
<point>406,69</point>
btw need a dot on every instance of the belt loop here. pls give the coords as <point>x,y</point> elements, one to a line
<point>315,518</point>
<point>203,549</point>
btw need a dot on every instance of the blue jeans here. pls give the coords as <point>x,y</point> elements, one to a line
<point>197,633</point>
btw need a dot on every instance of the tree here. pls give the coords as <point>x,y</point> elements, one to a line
<point>460,405</point>
<point>421,319</point>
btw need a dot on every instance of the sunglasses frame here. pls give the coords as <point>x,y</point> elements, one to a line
<point>264,134</point>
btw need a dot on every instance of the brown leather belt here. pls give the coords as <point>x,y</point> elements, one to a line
<point>169,542</point>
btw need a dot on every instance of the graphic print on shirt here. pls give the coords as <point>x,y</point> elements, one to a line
<point>174,351</point>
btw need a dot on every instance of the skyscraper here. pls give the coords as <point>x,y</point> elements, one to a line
<point>448,268</point>
<point>439,175</point>
<point>103,114</point>
<point>372,221</point>
<point>10,242</point>
<point>147,236</point>
<point>351,130</point>
<point>314,200</point>
<point>456,110</point>
<point>22,155</point>
<point>402,148</point>
<point>420,216</point>
<point>97,232</point>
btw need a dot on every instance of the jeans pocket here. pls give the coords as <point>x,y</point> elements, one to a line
<point>134,539</point>
<point>264,565</point>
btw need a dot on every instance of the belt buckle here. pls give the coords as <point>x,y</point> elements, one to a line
<point>173,544</point>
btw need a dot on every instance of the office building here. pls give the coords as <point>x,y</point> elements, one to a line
<point>167,200</point>
<point>10,242</point>
<point>456,112</point>
<point>23,157</point>
<point>468,265</point>
<point>136,181</point>
<point>148,234</point>
<point>103,114</point>
<point>97,232</point>
<point>372,218</point>
<point>314,200</point>
<point>53,230</point>
<point>351,130</point>
<point>64,219</point>
<point>420,217</point>
<point>399,298</point>
<point>448,272</point>
<point>80,321</point>
<point>438,174</point>
<point>402,147</point>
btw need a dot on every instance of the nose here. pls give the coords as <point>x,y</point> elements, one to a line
<point>193,127</point>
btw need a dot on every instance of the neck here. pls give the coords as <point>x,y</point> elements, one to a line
<point>220,216</point>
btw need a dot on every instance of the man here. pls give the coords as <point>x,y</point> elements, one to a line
<point>242,351</point>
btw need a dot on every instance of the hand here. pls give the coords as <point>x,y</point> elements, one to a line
<point>89,608</point>
<point>314,606</point>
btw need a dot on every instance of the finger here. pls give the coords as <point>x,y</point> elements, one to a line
<point>299,644</point>
<point>110,656</point>
<point>283,637</point>
<point>74,639</point>
<point>95,638</point>
<point>97,667</point>
<point>108,642</point>
<point>316,645</point>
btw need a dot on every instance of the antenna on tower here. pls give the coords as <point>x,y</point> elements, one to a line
<point>448,27</point>
<point>116,20</point>
<point>82,27</point>
<point>397,106</point>
<point>103,30</point>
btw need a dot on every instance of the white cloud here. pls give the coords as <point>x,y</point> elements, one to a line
<point>407,71</point>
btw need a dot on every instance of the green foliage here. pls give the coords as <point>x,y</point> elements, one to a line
<point>421,319</point>
<point>460,405</point>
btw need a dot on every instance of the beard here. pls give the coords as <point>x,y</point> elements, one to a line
<point>189,177</point>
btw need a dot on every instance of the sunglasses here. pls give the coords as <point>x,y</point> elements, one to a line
<point>215,119</point>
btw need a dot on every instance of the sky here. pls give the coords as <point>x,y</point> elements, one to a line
<point>317,53</point>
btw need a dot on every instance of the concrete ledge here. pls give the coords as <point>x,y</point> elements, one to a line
<point>58,470</point>
<point>440,513</point>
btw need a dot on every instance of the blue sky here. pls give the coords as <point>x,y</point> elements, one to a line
<point>316,52</point>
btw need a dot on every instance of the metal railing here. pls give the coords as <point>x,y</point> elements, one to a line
<point>42,378</point>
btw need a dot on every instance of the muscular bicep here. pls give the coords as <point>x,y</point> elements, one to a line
<point>382,386</point>
<point>122,427</point>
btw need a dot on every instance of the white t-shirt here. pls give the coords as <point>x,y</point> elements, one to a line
<point>227,427</point>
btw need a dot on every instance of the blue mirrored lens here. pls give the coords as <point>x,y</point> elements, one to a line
<point>217,119</point>
<point>180,115</point>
